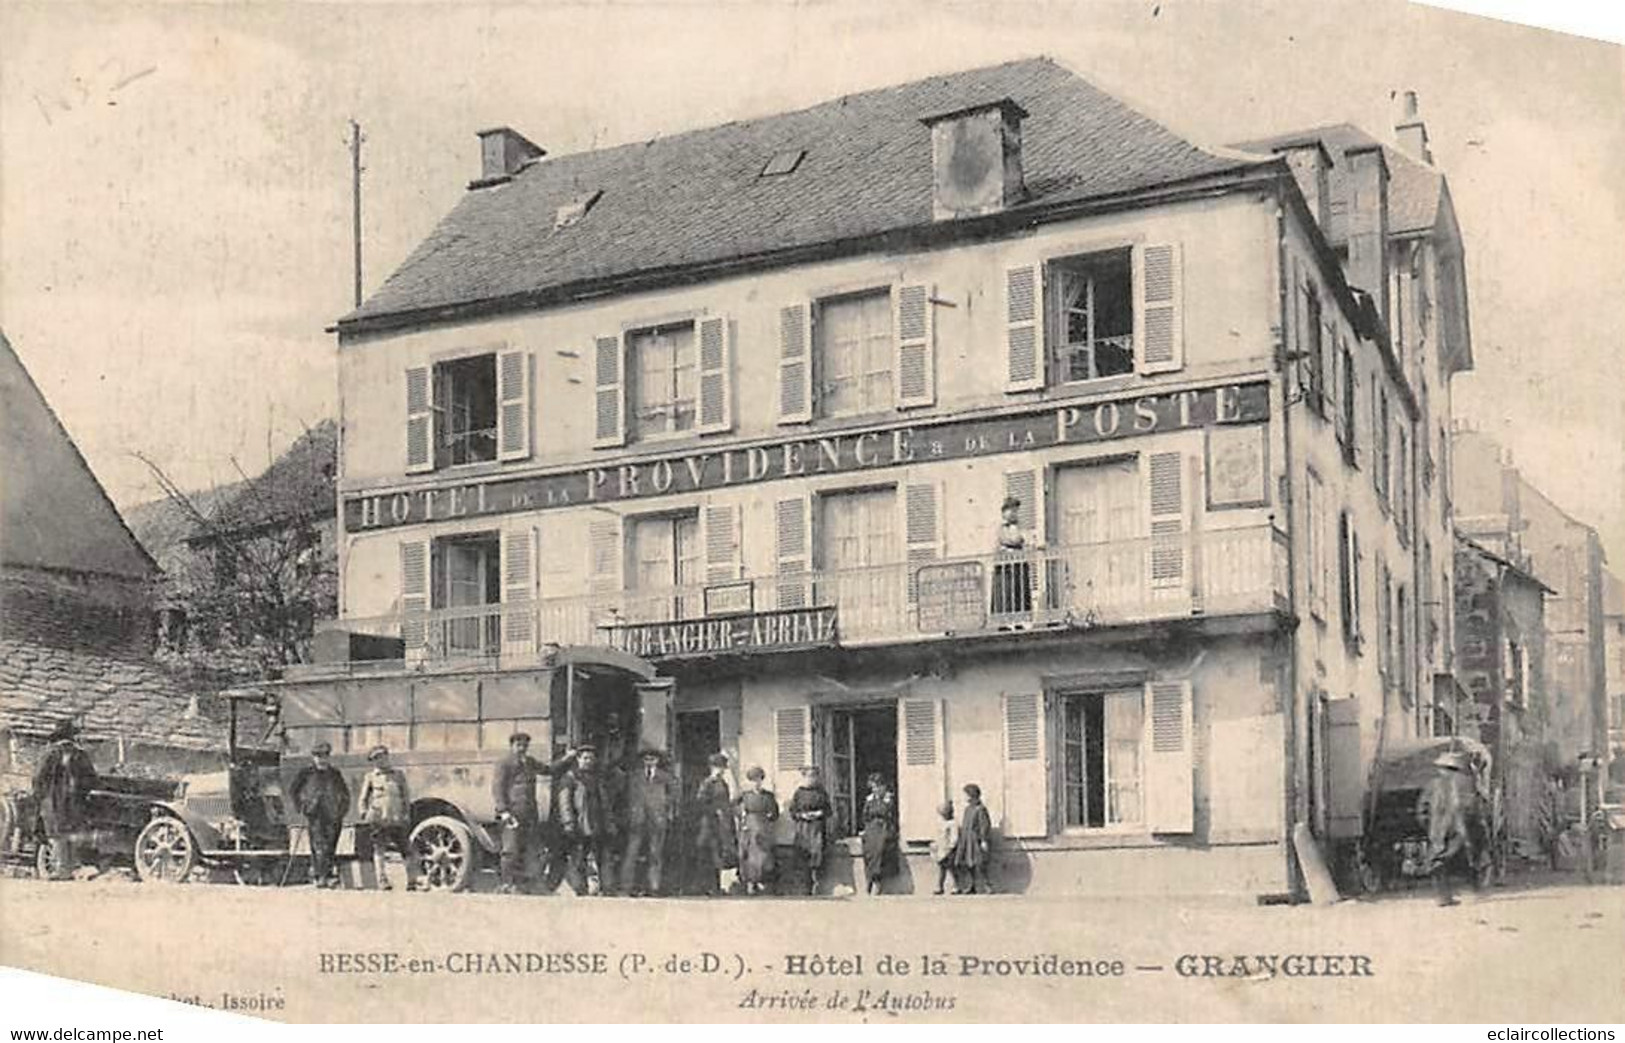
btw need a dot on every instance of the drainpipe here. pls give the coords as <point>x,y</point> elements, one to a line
<point>1294,732</point>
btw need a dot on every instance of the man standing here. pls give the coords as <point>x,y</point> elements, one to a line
<point>651,803</point>
<point>587,816</point>
<point>1450,798</point>
<point>319,792</point>
<point>62,785</point>
<point>513,793</point>
<point>383,805</point>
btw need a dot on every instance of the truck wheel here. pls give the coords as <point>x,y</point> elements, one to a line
<point>44,861</point>
<point>165,852</point>
<point>445,852</point>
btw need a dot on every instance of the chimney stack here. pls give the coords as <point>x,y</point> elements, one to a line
<point>503,151</point>
<point>1366,218</point>
<point>1310,164</point>
<point>1410,131</point>
<point>976,160</point>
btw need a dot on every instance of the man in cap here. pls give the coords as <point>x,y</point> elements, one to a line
<point>586,805</point>
<point>651,804</point>
<point>384,805</point>
<point>319,792</point>
<point>513,793</point>
<point>62,785</point>
<point>1449,800</point>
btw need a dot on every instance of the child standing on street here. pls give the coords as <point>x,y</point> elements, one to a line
<point>945,845</point>
<point>974,854</point>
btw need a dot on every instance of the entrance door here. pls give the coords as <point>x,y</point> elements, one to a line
<point>699,734</point>
<point>1096,529</point>
<point>861,740</point>
<point>858,558</point>
<point>468,578</point>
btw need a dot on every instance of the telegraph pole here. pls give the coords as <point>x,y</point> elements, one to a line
<point>355,199</point>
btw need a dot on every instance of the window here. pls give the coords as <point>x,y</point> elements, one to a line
<point>665,380</point>
<point>782,163</point>
<point>1402,621</point>
<point>1402,485</point>
<point>663,553</point>
<point>1349,556</point>
<point>859,553</point>
<point>1091,316</point>
<point>1313,349</point>
<point>1102,740</point>
<point>1380,473</point>
<point>862,740</point>
<point>1385,625</point>
<point>1349,406</point>
<point>1517,675</point>
<point>466,577</point>
<point>465,406</point>
<point>1315,545</point>
<point>853,337</point>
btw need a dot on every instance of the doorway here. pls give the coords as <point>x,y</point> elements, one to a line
<point>699,734</point>
<point>862,739</point>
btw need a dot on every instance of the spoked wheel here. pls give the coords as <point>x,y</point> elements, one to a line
<point>445,853</point>
<point>165,851</point>
<point>45,861</point>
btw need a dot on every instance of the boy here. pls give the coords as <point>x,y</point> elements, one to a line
<point>945,845</point>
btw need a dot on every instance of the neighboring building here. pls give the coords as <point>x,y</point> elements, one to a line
<point>1499,508</point>
<point>1613,607</point>
<point>747,401</point>
<point>76,630</point>
<point>1500,660</point>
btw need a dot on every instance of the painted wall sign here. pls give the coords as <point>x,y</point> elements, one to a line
<point>727,466</point>
<point>776,631</point>
<point>952,596</point>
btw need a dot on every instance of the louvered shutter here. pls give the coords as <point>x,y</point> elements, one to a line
<point>1025,812</point>
<point>795,364</point>
<point>716,375</point>
<point>1170,804</point>
<point>724,558</point>
<point>609,382</point>
<point>605,555</point>
<point>922,527</point>
<point>419,420</point>
<point>514,381</point>
<point>414,592</point>
<point>1165,495</point>
<point>793,550</point>
<point>792,747</point>
<point>1356,561</point>
<point>916,347</point>
<point>1025,486</point>
<point>921,782</point>
<point>1024,327</point>
<point>1158,325</point>
<point>1327,404</point>
<point>518,589</point>
<point>1345,565</point>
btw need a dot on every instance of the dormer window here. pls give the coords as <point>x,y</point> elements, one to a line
<point>574,210</point>
<point>783,163</point>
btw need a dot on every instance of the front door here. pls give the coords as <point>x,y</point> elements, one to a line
<point>862,741</point>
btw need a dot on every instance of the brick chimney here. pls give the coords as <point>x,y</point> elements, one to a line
<point>503,151</point>
<point>976,160</point>
<point>1310,164</point>
<point>1411,132</point>
<point>1366,220</point>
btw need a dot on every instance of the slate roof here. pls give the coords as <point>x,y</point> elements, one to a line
<point>299,484</point>
<point>110,697</point>
<point>696,197</point>
<point>1415,190</point>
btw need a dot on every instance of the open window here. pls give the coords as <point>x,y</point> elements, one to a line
<point>466,411</point>
<point>469,410</point>
<point>1091,316</point>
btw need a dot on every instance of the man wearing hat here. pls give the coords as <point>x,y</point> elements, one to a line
<point>1449,797</point>
<point>513,793</point>
<point>651,804</point>
<point>384,805</point>
<point>586,806</point>
<point>319,792</point>
<point>62,785</point>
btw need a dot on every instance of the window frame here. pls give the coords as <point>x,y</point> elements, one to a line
<point>440,404</point>
<point>1057,362</point>
<point>631,374</point>
<point>819,354</point>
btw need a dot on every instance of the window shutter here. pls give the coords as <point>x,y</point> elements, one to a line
<point>1024,327</point>
<point>414,592</point>
<point>1170,799</point>
<point>1026,777</point>
<point>1024,486</point>
<point>1356,560</point>
<point>1326,404</point>
<point>793,535</point>
<point>518,589</point>
<point>916,347</point>
<point>1165,494</point>
<point>724,559</point>
<point>1345,559</point>
<point>921,782</point>
<point>1159,329</point>
<point>716,375</point>
<point>609,380</point>
<point>514,381</point>
<point>792,747</point>
<point>419,421</point>
<point>923,528</point>
<point>795,364</point>
<point>605,555</point>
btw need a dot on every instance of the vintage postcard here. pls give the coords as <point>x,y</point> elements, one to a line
<point>834,513</point>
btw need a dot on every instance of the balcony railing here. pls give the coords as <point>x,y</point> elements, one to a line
<point>1218,572</point>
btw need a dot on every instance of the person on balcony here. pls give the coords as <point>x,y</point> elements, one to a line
<point>1012,572</point>
<point>811,810</point>
<point>384,806</point>
<point>651,804</point>
<point>62,785</point>
<point>321,795</point>
<point>758,818</point>
<point>716,846</point>
<point>879,834</point>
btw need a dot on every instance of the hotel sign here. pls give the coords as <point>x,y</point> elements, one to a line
<point>777,631</point>
<point>727,465</point>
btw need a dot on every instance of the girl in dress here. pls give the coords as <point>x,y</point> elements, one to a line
<point>811,810</point>
<point>879,834</point>
<point>758,814</point>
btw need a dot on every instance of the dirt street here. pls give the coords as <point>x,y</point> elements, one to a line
<point>1541,955</point>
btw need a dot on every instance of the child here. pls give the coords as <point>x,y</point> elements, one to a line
<point>944,845</point>
<point>973,855</point>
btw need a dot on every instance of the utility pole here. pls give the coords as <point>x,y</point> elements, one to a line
<point>355,198</point>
